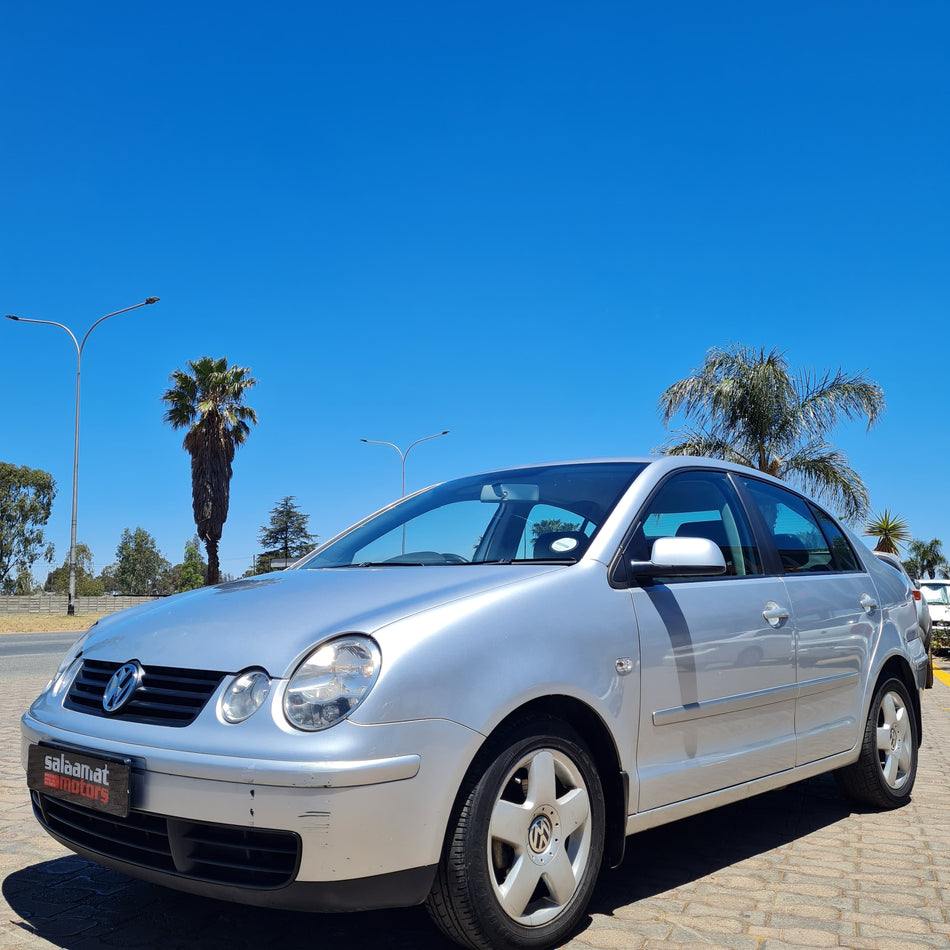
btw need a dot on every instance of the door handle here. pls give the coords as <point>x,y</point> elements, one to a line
<point>774,614</point>
<point>868,603</point>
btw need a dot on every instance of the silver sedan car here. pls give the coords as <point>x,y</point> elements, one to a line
<point>471,698</point>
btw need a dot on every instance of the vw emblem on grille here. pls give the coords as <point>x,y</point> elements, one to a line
<point>539,834</point>
<point>124,682</point>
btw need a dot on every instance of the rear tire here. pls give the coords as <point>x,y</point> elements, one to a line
<point>884,774</point>
<point>525,844</point>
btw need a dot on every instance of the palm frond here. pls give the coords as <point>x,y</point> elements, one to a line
<point>744,403</point>
<point>703,445</point>
<point>826,400</point>
<point>825,473</point>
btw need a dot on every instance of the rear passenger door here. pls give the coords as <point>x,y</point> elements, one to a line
<point>835,616</point>
<point>717,679</point>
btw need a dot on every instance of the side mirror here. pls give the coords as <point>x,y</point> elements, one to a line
<point>681,557</point>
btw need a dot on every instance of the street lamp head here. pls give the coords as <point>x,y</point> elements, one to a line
<point>10,316</point>
<point>152,299</point>
<point>446,432</point>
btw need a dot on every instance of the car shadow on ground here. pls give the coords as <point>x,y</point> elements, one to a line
<point>76,905</point>
<point>672,855</point>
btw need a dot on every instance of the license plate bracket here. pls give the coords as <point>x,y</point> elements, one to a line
<point>99,782</point>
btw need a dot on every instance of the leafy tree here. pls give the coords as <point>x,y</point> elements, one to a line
<point>191,572</point>
<point>926,559</point>
<point>87,584</point>
<point>890,531</point>
<point>261,565</point>
<point>746,406</point>
<point>89,587</point>
<point>110,582</point>
<point>26,501</point>
<point>140,567</point>
<point>209,403</point>
<point>286,536</point>
<point>22,584</point>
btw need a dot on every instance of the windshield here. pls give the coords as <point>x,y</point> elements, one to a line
<point>547,513</point>
<point>936,593</point>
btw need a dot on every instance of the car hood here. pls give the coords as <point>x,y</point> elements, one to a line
<point>273,619</point>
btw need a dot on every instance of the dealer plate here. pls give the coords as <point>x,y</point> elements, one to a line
<point>83,778</point>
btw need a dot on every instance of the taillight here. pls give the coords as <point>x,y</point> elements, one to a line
<point>916,594</point>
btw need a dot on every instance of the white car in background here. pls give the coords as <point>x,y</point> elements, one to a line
<point>936,594</point>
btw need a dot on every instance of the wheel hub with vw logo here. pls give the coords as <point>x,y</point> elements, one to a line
<point>544,835</point>
<point>122,686</point>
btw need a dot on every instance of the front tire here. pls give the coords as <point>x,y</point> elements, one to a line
<point>883,776</point>
<point>522,857</point>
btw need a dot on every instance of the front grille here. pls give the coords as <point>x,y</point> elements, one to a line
<point>167,696</point>
<point>199,850</point>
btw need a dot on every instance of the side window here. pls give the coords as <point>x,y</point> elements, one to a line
<point>844,557</point>
<point>802,545</point>
<point>698,505</point>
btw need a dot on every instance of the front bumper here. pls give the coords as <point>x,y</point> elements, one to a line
<point>190,856</point>
<point>365,832</point>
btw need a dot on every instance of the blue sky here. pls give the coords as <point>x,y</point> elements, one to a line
<point>517,221</point>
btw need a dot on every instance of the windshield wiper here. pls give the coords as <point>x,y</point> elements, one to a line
<point>545,560</point>
<point>501,560</point>
<point>389,564</point>
<point>530,560</point>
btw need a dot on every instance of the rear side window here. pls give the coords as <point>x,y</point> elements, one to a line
<point>806,539</point>
<point>843,554</point>
<point>699,505</point>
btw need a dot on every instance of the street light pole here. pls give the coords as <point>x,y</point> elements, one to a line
<point>71,605</point>
<point>402,456</point>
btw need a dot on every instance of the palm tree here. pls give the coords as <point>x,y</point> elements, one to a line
<point>890,531</point>
<point>209,403</point>
<point>926,559</point>
<point>746,406</point>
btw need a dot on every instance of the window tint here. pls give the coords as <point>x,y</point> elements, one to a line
<point>698,505</point>
<point>844,557</point>
<point>801,543</point>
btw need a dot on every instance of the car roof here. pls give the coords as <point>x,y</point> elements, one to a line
<point>655,461</point>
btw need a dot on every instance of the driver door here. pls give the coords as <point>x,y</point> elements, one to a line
<point>717,688</point>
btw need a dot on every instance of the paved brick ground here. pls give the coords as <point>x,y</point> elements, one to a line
<point>791,869</point>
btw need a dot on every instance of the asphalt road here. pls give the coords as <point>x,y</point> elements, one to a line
<point>33,654</point>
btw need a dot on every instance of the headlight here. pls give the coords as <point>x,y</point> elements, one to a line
<point>69,663</point>
<point>245,695</point>
<point>331,682</point>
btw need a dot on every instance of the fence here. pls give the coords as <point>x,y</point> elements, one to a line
<point>57,603</point>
